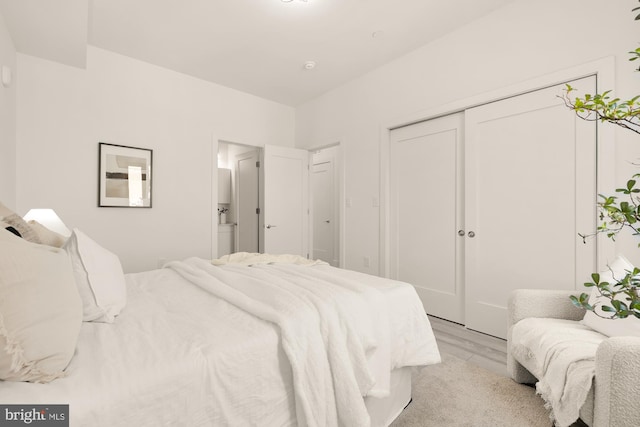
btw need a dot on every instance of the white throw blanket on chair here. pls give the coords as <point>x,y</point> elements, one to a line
<point>563,353</point>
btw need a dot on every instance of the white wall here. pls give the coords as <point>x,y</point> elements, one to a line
<point>63,112</point>
<point>7,121</point>
<point>519,42</point>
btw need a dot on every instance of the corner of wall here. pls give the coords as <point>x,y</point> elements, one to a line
<point>8,107</point>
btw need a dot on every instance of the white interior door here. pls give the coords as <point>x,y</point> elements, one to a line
<point>323,209</point>
<point>530,186</point>
<point>286,206</point>
<point>247,201</point>
<point>426,213</point>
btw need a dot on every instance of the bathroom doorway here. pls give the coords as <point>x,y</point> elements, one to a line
<point>239,213</point>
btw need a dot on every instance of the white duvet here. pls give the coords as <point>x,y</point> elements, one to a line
<point>181,354</point>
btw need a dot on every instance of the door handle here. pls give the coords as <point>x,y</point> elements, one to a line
<point>472,234</point>
<point>269,226</point>
<point>460,232</point>
<point>327,221</point>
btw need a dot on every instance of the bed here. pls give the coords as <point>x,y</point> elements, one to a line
<point>245,340</point>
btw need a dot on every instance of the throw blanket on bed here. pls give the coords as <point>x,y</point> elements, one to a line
<point>327,331</point>
<point>247,258</point>
<point>378,360</point>
<point>565,359</point>
<point>361,309</point>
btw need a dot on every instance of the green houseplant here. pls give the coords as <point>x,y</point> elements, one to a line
<point>619,212</point>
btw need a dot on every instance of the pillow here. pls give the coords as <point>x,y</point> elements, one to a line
<point>23,228</point>
<point>46,236</point>
<point>98,276</point>
<point>617,270</point>
<point>9,228</point>
<point>18,224</point>
<point>40,311</point>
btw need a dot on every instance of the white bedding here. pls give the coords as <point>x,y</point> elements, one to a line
<point>217,365</point>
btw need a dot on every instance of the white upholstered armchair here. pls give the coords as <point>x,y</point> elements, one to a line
<point>614,398</point>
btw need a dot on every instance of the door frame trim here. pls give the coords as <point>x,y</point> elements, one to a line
<point>603,69</point>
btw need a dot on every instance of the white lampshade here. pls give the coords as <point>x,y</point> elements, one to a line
<point>49,219</point>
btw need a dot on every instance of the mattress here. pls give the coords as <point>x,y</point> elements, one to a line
<point>178,355</point>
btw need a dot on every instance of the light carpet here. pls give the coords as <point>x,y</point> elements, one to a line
<point>458,393</point>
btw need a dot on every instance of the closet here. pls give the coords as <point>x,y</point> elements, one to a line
<point>491,199</point>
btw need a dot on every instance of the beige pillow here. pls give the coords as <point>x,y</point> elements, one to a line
<point>23,228</point>
<point>5,226</point>
<point>46,236</point>
<point>40,310</point>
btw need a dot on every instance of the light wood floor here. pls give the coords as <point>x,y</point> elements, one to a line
<point>480,349</point>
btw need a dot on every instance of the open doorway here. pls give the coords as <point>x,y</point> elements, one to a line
<point>238,198</point>
<point>263,202</point>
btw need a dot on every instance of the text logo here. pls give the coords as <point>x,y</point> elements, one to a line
<point>34,415</point>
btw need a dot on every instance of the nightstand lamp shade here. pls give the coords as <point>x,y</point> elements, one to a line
<point>49,219</point>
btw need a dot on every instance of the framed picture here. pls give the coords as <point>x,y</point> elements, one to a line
<point>124,176</point>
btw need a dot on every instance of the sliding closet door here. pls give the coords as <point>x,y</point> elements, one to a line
<point>530,188</point>
<point>426,213</point>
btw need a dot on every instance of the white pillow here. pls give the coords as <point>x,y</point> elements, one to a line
<point>617,270</point>
<point>40,310</point>
<point>99,277</point>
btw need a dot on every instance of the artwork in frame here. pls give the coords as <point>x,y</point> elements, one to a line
<point>124,176</point>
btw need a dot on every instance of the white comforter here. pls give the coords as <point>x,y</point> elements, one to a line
<point>178,355</point>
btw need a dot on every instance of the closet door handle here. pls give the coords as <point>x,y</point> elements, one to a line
<point>471,234</point>
<point>460,232</point>
<point>269,226</point>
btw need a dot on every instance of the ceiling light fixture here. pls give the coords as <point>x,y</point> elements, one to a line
<point>310,65</point>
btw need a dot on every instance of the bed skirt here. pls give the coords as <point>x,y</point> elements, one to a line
<point>386,409</point>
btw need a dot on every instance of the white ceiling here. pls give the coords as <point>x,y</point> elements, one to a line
<point>256,46</point>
